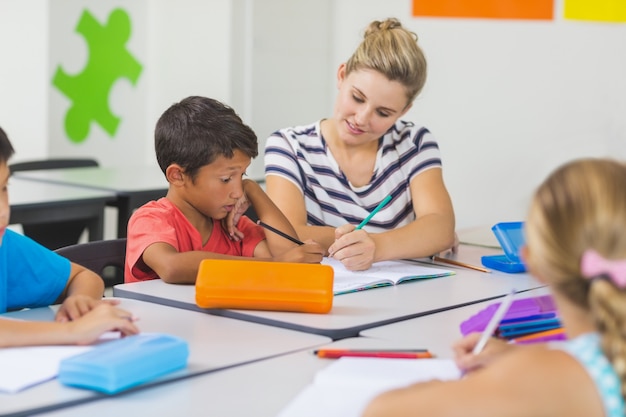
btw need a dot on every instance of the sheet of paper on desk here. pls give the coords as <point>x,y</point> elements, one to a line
<point>344,388</point>
<point>380,274</point>
<point>23,367</point>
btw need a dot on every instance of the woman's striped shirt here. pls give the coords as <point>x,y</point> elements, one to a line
<point>301,155</point>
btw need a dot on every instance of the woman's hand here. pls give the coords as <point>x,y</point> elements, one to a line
<point>354,248</point>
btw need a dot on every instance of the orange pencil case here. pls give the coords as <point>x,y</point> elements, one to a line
<point>258,285</point>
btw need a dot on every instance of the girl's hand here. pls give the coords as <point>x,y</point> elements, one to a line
<point>467,361</point>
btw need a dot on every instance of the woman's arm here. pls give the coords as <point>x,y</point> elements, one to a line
<point>277,247</point>
<point>431,232</point>
<point>433,229</point>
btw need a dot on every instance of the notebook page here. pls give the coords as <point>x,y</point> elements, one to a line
<point>349,384</point>
<point>389,272</point>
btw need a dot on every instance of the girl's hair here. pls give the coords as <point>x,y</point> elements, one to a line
<point>392,50</point>
<point>581,206</point>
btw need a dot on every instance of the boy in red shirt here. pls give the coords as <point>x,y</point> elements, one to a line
<point>204,149</point>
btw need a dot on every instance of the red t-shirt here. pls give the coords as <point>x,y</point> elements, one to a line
<point>162,221</point>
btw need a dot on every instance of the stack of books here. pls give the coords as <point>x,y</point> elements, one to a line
<point>528,320</point>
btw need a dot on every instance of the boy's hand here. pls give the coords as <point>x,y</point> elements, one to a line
<point>311,253</point>
<point>354,248</point>
<point>76,306</point>
<point>230,222</point>
<point>104,318</point>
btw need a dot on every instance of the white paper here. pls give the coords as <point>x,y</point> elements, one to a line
<point>344,388</point>
<point>24,367</point>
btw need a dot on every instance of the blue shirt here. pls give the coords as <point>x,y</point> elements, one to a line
<point>586,349</point>
<point>30,274</point>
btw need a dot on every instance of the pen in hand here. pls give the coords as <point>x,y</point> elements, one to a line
<point>493,323</point>
<point>278,232</point>
<point>376,210</point>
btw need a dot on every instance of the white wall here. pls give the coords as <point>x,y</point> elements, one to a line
<point>23,73</point>
<point>289,56</point>
<point>508,100</point>
<point>190,52</point>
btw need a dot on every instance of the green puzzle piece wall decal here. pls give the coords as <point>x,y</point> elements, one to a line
<point>108,60</point>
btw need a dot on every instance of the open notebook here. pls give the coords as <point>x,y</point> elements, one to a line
<point>380,274</point>
<point>344,388</point>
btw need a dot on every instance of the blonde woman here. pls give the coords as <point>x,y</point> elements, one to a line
<point>328,176</point>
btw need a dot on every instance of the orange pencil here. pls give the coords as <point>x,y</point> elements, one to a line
<point>458,263</point>
<point>395,354</point>
<point>540,335</point>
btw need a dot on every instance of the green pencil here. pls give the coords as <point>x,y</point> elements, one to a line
<point>376,210</point>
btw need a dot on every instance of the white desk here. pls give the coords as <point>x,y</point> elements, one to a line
<point>215,343</point>
<point>35,202</point>
<point>434,332</point>
<point>259,389</point>
<point>352,313</point>
<point>133,185</point>
<point>269,385</point>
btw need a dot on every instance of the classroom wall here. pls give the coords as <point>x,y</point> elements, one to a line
<point>23,71</point>
<point>508,100</point>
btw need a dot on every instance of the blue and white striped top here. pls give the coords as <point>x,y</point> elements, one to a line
<point>586,349</point>
<point>301,155</point>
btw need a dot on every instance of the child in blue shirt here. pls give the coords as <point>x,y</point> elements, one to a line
<point>34,276</point>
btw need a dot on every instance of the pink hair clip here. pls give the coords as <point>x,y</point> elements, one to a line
<point>593,265</point>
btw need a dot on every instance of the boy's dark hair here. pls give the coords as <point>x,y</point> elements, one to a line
<point>6,149</point>
<point>198,130</point>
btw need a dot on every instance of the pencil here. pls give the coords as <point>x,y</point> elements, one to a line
<point>493,323</point>
<point>376,210</point>
<point>278,232</point>
<point>366,353</point>
<point>457,263</point>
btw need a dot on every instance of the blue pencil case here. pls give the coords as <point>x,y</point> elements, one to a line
<point>124,363</point>
<point>511,238</point>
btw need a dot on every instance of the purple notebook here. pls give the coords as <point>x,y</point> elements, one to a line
<point>522,307</point>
